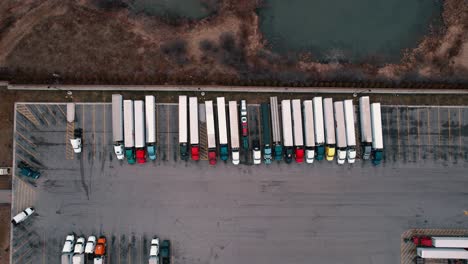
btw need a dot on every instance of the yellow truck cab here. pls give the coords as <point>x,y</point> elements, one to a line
<point>330,152</point>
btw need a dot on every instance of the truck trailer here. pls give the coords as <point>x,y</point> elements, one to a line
<point>194,137</point>
<point>266,133</point>
<point>287,130</point>
<point>350,130</point>
<point>442,253</point>
<point>298,130</point>
<point>329,121</point>
<point>377,138</point>
<point>211,132</point>
<point>340,132</point>
<point>222,129</point>
<point>183,131</point>
<point>450,242</point>
<point>140,131</point>
<point>366,127</point>
<point>234,131</point>
<point>275,128</point>
<point>244,125</point>
<point>309,132</point>
<point>129,132</point>
<point>319,128</point>
<point>150,115</point>
<point>118,125</point>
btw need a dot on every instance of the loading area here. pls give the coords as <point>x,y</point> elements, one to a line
<point>291,213</point>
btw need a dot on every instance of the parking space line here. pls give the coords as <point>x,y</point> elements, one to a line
<point>398,131</point>
<point>428,128</point>
<point>26,139</point>
<point>449,135</point>
<point>51,113</point>
<point>27,151</point>
<point>168,148</point>
<point>104,132</point>
<point>94,132</point>
<point>460,132</point>
<point>419,136</point>
<point>118,255</point>
<point>438,126</point>
<point>61,110</point>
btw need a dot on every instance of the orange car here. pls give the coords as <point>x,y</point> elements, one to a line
<point>100,249</point>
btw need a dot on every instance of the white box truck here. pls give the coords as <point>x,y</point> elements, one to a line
<point>309,131</point>
<point>442,253</point>
<point>329,121</point>
<point>287,130</point>
<point>377,137</point>
<point>194,137</point>
<point>366,127</point>
<point>340,132</point>
<point>319,128</point>
<point>275,128</point>
<point>211,132</point>
<point>298,131</point>
<point>450,242</point>
<point>183,131</point>
<point>350,130</point>
<point>140,145</point>
<point>234,130</point>
<point>222,129</point>
<point>129,132</point>
<point>118,125</point>
<point>150,115</point>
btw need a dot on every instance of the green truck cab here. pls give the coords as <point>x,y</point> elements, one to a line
<point>166,252</point>
<point>130,155</point>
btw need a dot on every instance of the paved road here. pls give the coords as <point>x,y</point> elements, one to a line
<point>323,213</point>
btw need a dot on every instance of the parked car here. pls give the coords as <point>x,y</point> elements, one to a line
<point>69,244</point>
<point>5,171</point>
<point>28,171</point>
<point>22,216</point>
<point>90,245</point>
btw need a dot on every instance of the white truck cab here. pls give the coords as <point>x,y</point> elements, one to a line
<point>90,245</point>
<point>154,251</point>
<point>310,155</point>
<point>119,151</point>
<point>235,157</point>
<point>341,156</point>
<point>79,246</point>
<point>69,244</point>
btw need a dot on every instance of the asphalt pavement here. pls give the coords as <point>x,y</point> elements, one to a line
<point>296,213</point>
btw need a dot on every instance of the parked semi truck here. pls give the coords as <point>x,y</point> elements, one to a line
<point>244,125</point>
<point>309,132</point>
<point>350,130</point>
<point>118,125</point>
<point>329,121</point>
<point>166,252</point>
<point>377,138</point>
<point>140,131</point>
<point>211,132</point>
<point>222,129</point>
<point>340,132</point>
<point>366,127</point>
<point>450,242</point>
<point>183,132</point>
<point>266,133</point>
<point>287,130</point>
<point>275,128</point>
<point>154,251</point>
<point>150,115</point>
<point>298,131</point>
<point>67,250</point>
<point>129,132</point>
<point>319,128</point>
<point>194,137</point>
<point>234,130</point>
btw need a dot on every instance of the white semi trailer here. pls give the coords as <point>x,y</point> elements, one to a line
<point>118,125</point>
<point>129,131</point>
<point>222,129</point>
<point>319,128</point>
<point>211,132</point>
<point>309,132</point>
<point>183,130</point>
<point>287,130</point>
<point>194,137</point>
<point>450,242</point>
<point>442,253</point>
<point>140,146</point>
<point>150,115</point>
<point>377,137</point>
<point>234,130</point>
<point>366,127</point>
<point>298,131</point>
<point>350,130</point>
<point>340,132</point>
<point>275,128</point>
<point>329,121</point>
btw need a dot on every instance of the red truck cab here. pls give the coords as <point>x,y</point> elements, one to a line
<point>422,241</point>
<point>299,155</point>
<point>195,151</point>
<point>141,156</point>
<point>212,157</point>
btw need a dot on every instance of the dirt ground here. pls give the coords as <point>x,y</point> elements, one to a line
<point>5,233</point>
<point>46,41</point>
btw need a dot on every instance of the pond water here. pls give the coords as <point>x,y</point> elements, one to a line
<point>192,9</point>
<point>345,30</point>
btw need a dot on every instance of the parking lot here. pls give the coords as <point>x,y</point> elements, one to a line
<point>296,213</point>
